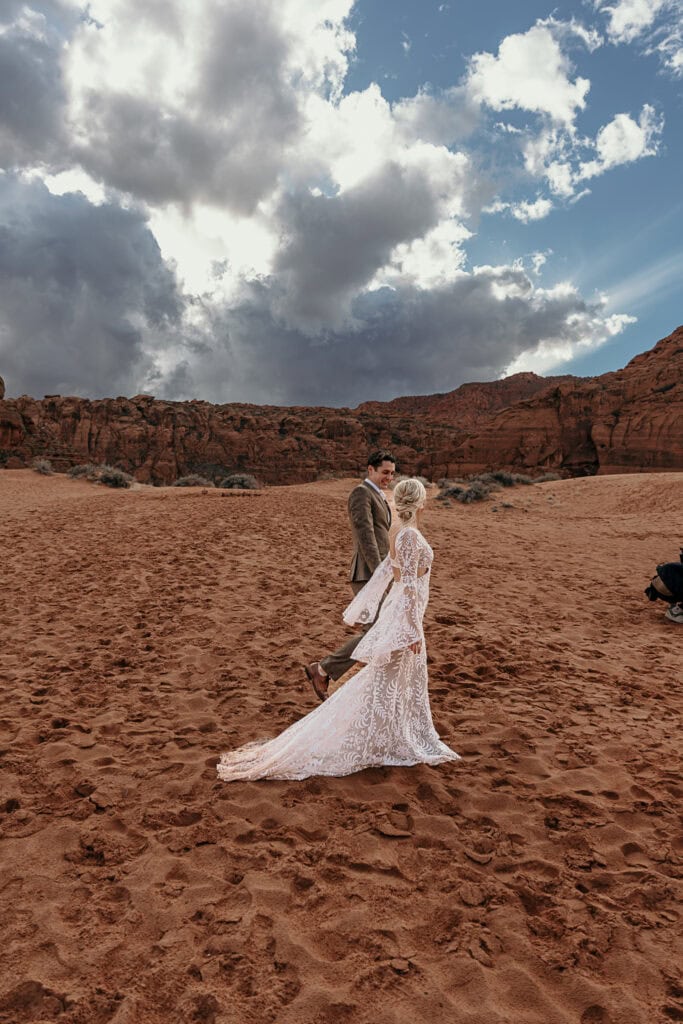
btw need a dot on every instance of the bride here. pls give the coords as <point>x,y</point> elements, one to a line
<point>382,715</point>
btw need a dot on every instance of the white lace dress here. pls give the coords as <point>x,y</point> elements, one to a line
<point>381,716</point>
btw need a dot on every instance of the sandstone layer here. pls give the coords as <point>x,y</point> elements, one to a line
<point>628,420</point>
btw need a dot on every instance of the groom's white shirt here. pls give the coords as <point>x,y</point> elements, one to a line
<point>378,489</point>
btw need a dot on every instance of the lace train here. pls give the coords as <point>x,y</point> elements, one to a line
<point>379,717</point>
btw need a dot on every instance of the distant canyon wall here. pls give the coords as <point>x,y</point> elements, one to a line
<point>626,421</point>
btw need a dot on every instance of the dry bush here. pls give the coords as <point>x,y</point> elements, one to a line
<point>85,469</point>
<point>192,480</point>
<point>239,481</point>
<point>112,476</point>
<point>477,491</point>
<point>547,477</point>
<point>43,466</point>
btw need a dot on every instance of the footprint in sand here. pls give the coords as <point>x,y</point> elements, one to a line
<point>485,948</point>
<point>635,856</point>
<point>595,1015</point>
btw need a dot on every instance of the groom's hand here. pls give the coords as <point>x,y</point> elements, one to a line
<point>416,648</point>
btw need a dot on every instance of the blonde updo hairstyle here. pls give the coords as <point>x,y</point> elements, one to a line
<point>409,496</point>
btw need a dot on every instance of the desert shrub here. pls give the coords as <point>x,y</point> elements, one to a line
<point>86,469</point>
<point>503,478</point>
<point>547,477</point>
<point>486,480</point>
<point>192,480</point>
<point>522,478</point>
<point>43,466</point>
<point>239,481</point>
<point>477,491</point>
<point>112,476</point>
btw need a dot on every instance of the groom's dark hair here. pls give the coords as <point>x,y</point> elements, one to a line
<point>375,459</point>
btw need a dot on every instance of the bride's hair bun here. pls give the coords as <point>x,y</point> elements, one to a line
<point>409,496</point>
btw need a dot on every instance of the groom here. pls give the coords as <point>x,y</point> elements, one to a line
<point>370,518</point>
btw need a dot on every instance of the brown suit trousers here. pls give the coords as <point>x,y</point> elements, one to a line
<point>370,521</point>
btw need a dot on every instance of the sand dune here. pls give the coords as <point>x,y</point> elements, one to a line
<point>536,882</point>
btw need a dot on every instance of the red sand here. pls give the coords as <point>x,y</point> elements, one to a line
<point>537,882</point>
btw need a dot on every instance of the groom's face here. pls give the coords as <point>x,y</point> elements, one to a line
<point>382,475</point>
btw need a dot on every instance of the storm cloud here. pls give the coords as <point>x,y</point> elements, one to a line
<point>406,341</point>
<point>32,96</point>
<point>246,231</point>
<point>85,297</point>
<point>215,123</point>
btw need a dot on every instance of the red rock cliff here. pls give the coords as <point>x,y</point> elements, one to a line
<point>619,422</point>
<point>627,421</point>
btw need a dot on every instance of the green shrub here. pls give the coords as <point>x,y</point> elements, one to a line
<point>192,480</point>
<point>43,466</point>
<point>239,481</point>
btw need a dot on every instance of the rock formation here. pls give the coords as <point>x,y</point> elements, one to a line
<point>618,422</point>
<point>471,405</point>
<point>630,420</point>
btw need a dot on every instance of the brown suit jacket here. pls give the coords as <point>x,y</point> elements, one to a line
<point>370,521</point>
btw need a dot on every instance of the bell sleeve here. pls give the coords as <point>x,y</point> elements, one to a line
<point>399,623</point>
<point>363,608</point>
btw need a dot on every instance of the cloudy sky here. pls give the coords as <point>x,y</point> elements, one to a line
<point>322,202</point>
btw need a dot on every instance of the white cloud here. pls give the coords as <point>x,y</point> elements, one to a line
<point>655,26</point>
<point>531,73</point>
<point>526,211</point>
<point>428,262</point>
<point>622,141</point>
<point>539,259</point>
<point>566,160</point>
<point>213,250</point>
<point>666,40</point>
<point>567,31</point>
<point>584,331</point>
<point>74,180</point>
<point>628,19</point>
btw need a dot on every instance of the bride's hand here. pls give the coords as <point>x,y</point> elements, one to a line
<point>416,648</point>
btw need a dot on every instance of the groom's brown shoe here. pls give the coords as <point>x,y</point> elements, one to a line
<point>318,680</point>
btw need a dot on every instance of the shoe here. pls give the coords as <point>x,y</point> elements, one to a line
<point>675,612</point>
<point>318,680</point>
